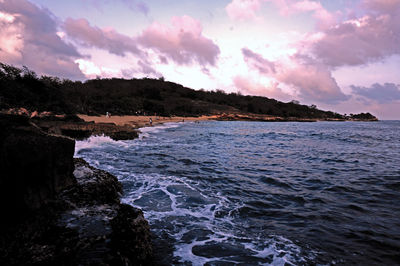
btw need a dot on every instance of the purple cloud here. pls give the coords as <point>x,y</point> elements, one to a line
<point>362,40</point>
<point>386,93</point>
<point>145,68</point>
<point>109,39</point>
<point>184,42</point>
<point>29,36</point>
<point>312,80</point>
<point>256,61</point>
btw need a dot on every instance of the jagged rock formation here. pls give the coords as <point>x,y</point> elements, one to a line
<point>74,127</point>
<point>64,212</point>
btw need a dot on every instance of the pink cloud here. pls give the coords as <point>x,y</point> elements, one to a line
<point>360,41</point>
<point>107,39</point>
<point>256,61</point>
<point>325,19</point>
<point>248,10</point>
<point>248,87</point>
<point>311,80</point>
<point>243,9</point>
<point>91,70</point>
<point>183,42</point>
<point>11,39</point>
<point>28,36</point>
<point>353,42</point>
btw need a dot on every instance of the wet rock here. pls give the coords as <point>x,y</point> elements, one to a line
<point>130,238</point>
<point>212,250</point>
<point>74,127</point>
<point>63,211</point>
<point>94,186</point>
<point>85,225</point>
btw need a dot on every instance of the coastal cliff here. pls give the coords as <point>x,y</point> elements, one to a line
<point>60,210</point>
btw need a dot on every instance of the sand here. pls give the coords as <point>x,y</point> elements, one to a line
<point>142,121</point>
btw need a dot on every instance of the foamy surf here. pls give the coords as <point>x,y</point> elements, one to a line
<point>179,203</point>
<point>96,141</point>
<point>145,132</point>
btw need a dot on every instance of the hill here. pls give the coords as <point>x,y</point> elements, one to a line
<point>23,88</point>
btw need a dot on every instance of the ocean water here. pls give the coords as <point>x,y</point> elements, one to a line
<point>254,193</point>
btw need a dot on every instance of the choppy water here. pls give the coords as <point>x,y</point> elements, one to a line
<point>253,193</point>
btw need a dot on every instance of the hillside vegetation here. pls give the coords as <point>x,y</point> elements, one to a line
<point>23,88</point>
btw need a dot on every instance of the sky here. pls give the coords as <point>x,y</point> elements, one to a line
<point>341,55</point>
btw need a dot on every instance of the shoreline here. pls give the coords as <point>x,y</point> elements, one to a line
<point>143,121</point>
<point>138,122</point>
<point>124,127</point>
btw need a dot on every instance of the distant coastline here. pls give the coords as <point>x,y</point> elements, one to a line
<point>126,127</point>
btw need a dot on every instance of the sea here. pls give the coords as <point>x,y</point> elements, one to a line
<point>262,193</point>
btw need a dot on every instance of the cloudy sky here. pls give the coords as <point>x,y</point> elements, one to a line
<point>341,55</point>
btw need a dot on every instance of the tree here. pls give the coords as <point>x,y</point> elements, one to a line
<point>28,74</point>
<point>295,102</point>
<point>10,71</point>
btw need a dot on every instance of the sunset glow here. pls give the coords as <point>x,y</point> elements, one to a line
<point>339,55</point>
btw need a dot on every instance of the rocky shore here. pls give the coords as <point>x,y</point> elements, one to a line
<point>58,210</point>
<point>269,118</point>
<point>77,128</point>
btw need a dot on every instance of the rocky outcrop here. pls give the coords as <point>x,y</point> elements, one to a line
<point>107,231</point>
<point>74,127</point>
<point>34,166</point>
<point>73,212</point>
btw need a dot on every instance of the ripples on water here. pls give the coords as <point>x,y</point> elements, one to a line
<point>263,193</point>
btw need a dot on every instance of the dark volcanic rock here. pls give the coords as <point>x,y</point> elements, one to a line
<point>81,130</point>
<point>65,212</point>
<point>34,166</point>
<point>94,186</point>
<point>130,235</point>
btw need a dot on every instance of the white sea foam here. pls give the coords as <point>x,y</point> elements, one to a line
<point>92,142</point>
<point>97,141</point>
<point>184,218</point>
<point>145,132</point>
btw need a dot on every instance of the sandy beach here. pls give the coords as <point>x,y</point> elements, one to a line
<point>142,121</point>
